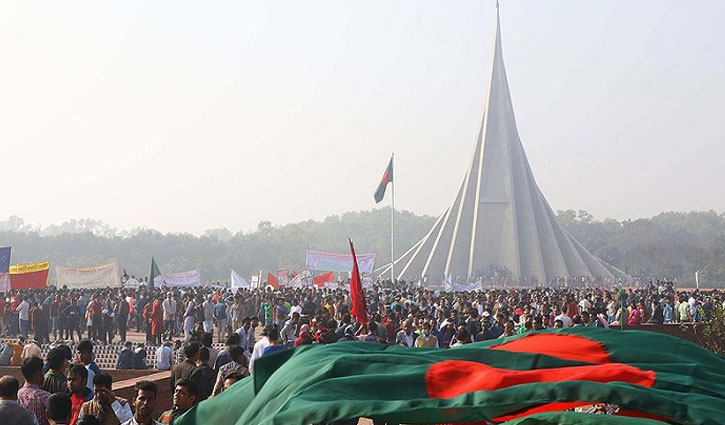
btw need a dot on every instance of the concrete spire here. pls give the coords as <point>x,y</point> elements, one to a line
<point>499,217</point>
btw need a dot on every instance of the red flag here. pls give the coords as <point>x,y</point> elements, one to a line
<point>322,279</point>
<point>359,308</point>
<point>272,280</point>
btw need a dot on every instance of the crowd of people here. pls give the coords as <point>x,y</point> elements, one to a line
<point>182,324</point>
<point>105,315</point>
<point>68,389</point>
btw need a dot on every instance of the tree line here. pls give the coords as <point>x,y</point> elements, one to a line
<point>672,245</point>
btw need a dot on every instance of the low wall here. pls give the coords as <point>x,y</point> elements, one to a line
<point>688,331</point>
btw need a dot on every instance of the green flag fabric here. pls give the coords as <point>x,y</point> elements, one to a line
<point>154,272</point>
<point>387,178</point>
<point>534,378</point>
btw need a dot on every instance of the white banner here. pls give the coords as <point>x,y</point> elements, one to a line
<point>460,287</point>
<point>103,276</point>
<point>466,288</point>
<point>255,281</point>
<point>367,281</point>
<point>447,285</point>
<point>238,282</point>
<point>179,280</point>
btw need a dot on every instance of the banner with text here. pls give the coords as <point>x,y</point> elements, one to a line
<point>328,262</point>
<point>188,279</point>
<point>103,276</point>
<point>29,275</point>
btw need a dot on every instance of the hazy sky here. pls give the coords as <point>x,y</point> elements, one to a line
<point>184,116</point>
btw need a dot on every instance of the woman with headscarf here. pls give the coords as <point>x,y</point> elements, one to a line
<point>635,318</point>
<point>305,336</point>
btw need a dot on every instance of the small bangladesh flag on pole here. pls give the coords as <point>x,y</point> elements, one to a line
<point>387,178</point>
<point>154,272</point>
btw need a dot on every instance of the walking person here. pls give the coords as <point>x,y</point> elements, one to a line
<point>63,303</point>
<point>169,307</point>
<point>189,318</point>
<point>157,321</point>
<point>73,316</point>
<point>23,311</point>
<point>53,313</point>
<point>39,316</point>
<point>208,311</point>
<point>139,303</point>
<point>220,317</point>
<point>95,313</point>
<point>122,312</point>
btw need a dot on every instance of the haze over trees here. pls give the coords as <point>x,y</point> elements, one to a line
<point>671,245</point>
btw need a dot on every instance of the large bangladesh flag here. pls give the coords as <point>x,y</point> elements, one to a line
<point>535,378</point>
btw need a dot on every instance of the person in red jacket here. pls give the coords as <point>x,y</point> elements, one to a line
<point>157,321</point>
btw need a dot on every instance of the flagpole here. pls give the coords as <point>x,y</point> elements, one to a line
<point>392,222</point>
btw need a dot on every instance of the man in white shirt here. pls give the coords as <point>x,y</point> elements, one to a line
<point>259,347</point>
<point>692,303</point>
<point>169,307</point>
<point>243,333</point>
<point>565,320</point>
<point>296,308</point>
<point>24,316</point>
<point>30,349</point>
<point>585,305</point>
<point>164,356</point>
<point>406,337</point>
<point>208,308</point>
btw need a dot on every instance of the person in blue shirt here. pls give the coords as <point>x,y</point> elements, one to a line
<point>669,318</point>
<point>274,343</point>
<point>220,315</point>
